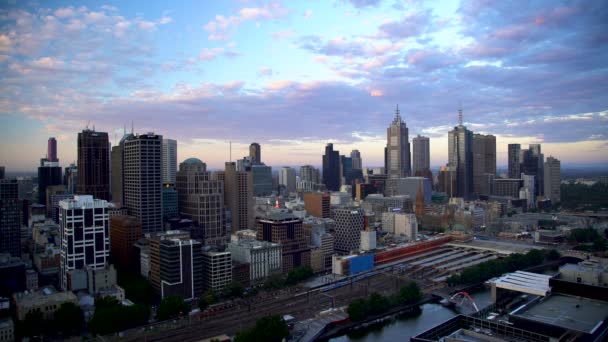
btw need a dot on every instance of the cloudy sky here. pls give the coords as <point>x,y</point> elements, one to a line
<point>296,75</point>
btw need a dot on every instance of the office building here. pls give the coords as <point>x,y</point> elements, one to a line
<point>46,300</point>
<point>349,175</point>
<point>409,186</point>
<point>287,178</point>
<point>280,226</point>
<point>507,187</point>
<point>94,164</point>
<point>317,204</point>
<point>331,168</point>
<point>357,163</point>
<point>514,161</point>
<point>201,199</point>
<point>84,233</point>
<point>460,155</point>
<point>169,161</point>
<point>217,270</point>
<point>397,148</point>
<point>70,179</point>
<point>553,180</point>
<point>309,178</point>
<point>261,179</point>
<point>255,153</point>
<point>527,190</point>
<point>117,161</point>
<point>142,180</point>
<point>2,172</point>
<point>238,197</point>
<point>51,153</point>
<point>264,258</point>
<point>400,224</point>
<point>484,162</point>
<point>347,229</point>
<point>446,180</point>
<point>421,155</point>
<point>533,165</point>
<point>125,232</point>
<point>180,266</point>
<point>170,203</point>
<point>10,218</point>
<point>49,173</point>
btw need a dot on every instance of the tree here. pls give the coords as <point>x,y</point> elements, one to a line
<point>274,281</point>
<point>410,293</point>
<point>137,288</point>
<point>269,328</point>
<point>233,289</point>
<point>171,307</point>
<point>378,303</point>
<point>68,319</point>
<point>357,309</point>
<point>111,316</point>
<point>34,324</point>
<point>599,244</point>
<point>553,255</point>
<point>299,274</point>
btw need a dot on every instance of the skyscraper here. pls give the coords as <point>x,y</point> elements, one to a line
<point>348,227</point>
<point>10,218</point>
<point>309,178</point>
<point>553,180</point>
<point>514,161</point>
<point>238,196</point>
<point>460,155</point>
<point>355,155</point>
<point>331,168</point>
<point>287,178</point>
<point>94,164</point>
<point>49,173</point>
<point>532,165</point>
<point>70,178</point>
<point>201,198</point>
<point>484,162</point>
<point>142,180</point>
<point>169,161</point>
<point>398,148</point>
<point>255,153</point>
<point>261,179</point>
<point>51,153</point>
<point>421,155</point>
<point>85,239</point>
<point>284,228</point>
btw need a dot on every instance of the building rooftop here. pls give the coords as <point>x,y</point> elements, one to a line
<point>574,313</point>
<point>33,298</point>
<point>278,215</point>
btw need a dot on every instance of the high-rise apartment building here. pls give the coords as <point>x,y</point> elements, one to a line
<point>317,204</point>
<point>255,153</point>
<point>421,155</point>
<point>397,148</point>
<point>51,153</point>
<point>238,196</point>
<point>200,198</point>
<point>514,161</point>
<point>169,161</point>
<point>309,178</point>
<point>142,180</point>
<point>10,218</point>
<point>94,164</point>
<point>355,155</point>
<point>287,178</point>
<point>84,235</point>
<point>349,222</point>
<point>280,226</point>
<point>460,155</point>
<point>553,180</point>
<point>125,231</point>
<point>331,168</point>
<point>484,162</point>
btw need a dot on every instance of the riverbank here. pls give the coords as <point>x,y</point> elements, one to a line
<point>335,331</point>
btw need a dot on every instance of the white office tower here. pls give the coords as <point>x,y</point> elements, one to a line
<point>400,224</point>
<point>85,240</point>
<point>287,178</point>
<point>169,161</point>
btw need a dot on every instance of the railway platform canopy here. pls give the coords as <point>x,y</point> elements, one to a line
<point>524,282</point>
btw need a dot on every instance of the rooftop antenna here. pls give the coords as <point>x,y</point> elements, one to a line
<point>124,129</point>
<point>397,113</point>
<point>460,114</point>
<point>88,122</point>
<point>131,126</point>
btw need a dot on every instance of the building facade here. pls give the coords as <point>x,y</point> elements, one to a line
<point>201,199</point>
<point>217,270</point>
<point>84,234</point>
<point>484,162</point>
<point>317,204</point>
<point>514,161</point>
<point>398,148</point>
<point>460,155</point>
<point>347,229</point>
<point>421,155</point>
<point>255,153</point>
<point>287,178</point>
<point>331,168</point>
<point>238,196</point>
<point>10,218</point>
<point>125,232</point>
<point>553,180</point>
<point>169,161</point>
<point>94,164</point>
<point>264,258</point>
<point>142,179</point>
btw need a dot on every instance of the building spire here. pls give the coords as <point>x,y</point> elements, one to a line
<point>460,114</point>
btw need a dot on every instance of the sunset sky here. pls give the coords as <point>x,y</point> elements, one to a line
<point>295,75</point>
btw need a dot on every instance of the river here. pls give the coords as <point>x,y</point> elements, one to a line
<point>402,328</point>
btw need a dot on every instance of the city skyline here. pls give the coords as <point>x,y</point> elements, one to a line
<point>202,74</point>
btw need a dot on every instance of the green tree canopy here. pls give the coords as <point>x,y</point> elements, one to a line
<point>111,316</point>
<point>68,319</point>
<point>269,328</point>
<point>171,307</point>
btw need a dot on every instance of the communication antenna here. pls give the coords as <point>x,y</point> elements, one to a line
<point>460,114</point>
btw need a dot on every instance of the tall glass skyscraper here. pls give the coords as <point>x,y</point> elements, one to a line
<point>460,155</point>
<point>398,162</point>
